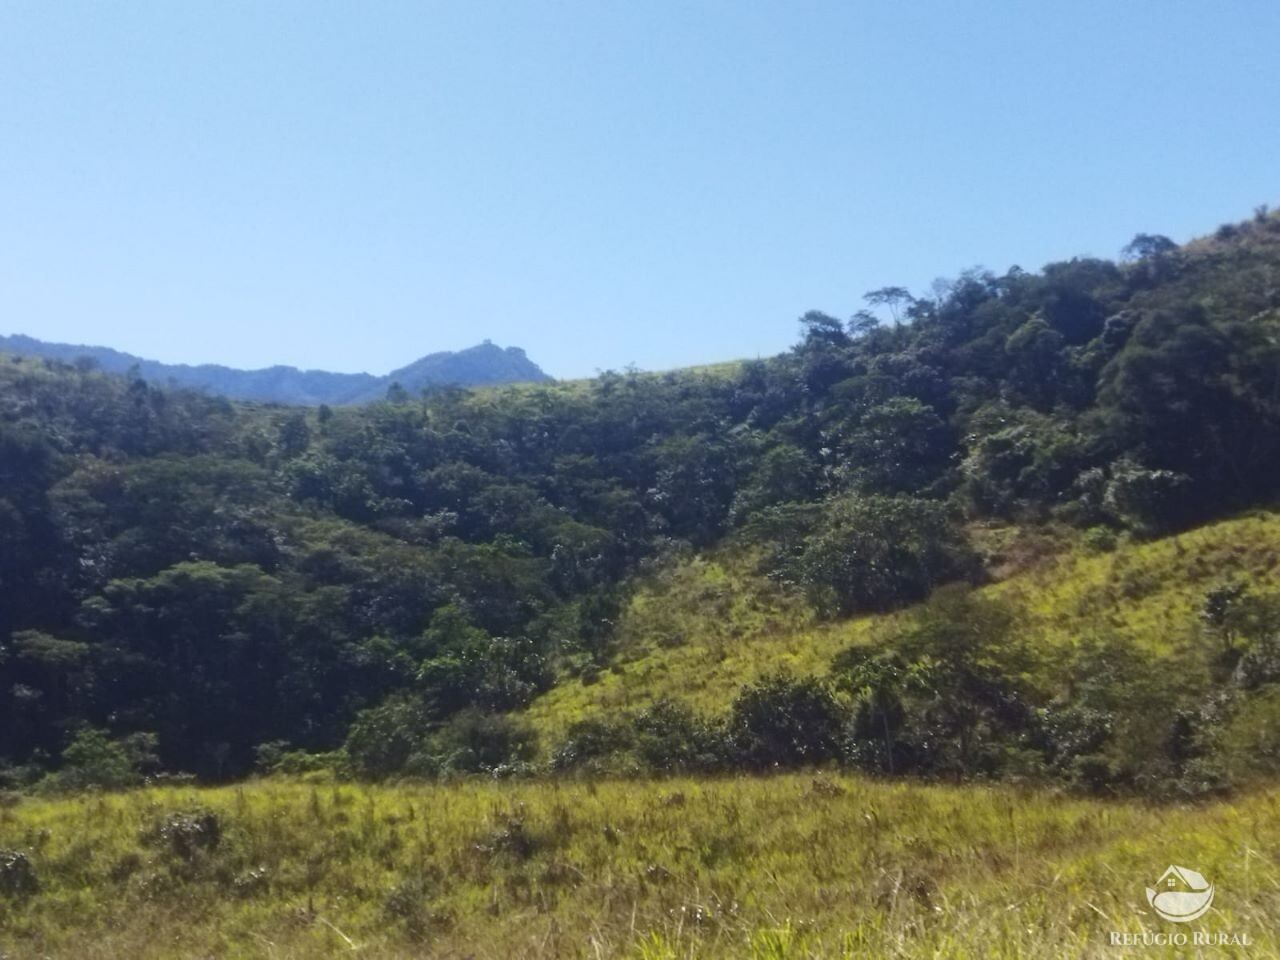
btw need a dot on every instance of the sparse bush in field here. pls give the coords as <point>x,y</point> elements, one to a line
<point>1260,664</point>
<point>187,834</point>
<point>275,757</point>
<point>665,737</point>
<point>408,905</point>
<point>1249,747</point>
<point>251,882</point>
<point>595,745</point>
<point>879,683</point>
<point>17,875</point>
<point>476,742</point>
<point>781,721</point>
<point>399,737</point>
<point>1220,611</point>
<point>670,737</point>
<point>511,836</point>
<point>383,738</point>
<point>1071,738</point>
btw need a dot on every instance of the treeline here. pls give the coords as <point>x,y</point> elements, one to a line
<point>199,584</point>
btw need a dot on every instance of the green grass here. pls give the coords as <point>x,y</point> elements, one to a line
<point>792,866</point>
<point>699,631</point>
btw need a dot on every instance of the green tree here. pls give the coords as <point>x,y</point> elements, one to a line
<point>877,553</point>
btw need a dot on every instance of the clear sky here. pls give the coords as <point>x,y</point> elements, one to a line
<point>350,185</point>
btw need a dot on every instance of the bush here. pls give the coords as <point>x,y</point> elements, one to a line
<point>93,759</point>
<point>669,737</point>
<point>946,693</point>
<point>1250,743</point>
<point>1099,539</point>
<point>780,721</point>
<point>274,757</point>
<point>477,742</point>
<point>1150,501</point>
<point>383,738</point>
<point>595,745</point>
<point>186,834</point>
<point>17,876</point>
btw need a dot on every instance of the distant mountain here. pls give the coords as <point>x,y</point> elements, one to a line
<point>485,364</point>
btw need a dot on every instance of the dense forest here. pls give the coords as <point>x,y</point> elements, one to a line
<point>194,585</point>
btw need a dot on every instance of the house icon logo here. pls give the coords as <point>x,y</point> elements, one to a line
<point>1180,895</point>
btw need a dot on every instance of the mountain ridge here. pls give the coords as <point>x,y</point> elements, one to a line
<point>485,364</point>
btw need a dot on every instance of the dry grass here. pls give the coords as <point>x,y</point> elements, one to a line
<point>792,866</point>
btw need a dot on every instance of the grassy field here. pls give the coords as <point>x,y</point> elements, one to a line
<point>803,865</point>
<point>696,633</point>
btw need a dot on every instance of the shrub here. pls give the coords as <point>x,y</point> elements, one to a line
<point>476,742</point>
<point>1250,743</point>
<point>186,834</point>
<point>946,693</point>
<point>383,738</point>
<point>274,757</point>
<point>669,736</point>
<point>93,759</point>
<point>1099,539</point>
<point>1149,501</point>
<point>596,745</point>
<point>786,722</point>
<point>17,876</point>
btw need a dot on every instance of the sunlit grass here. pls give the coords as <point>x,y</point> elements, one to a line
<point>804,865</point>
<point>698,632</point>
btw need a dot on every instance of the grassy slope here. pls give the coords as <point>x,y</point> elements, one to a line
<point>786,867</point>
<point>699,631</point>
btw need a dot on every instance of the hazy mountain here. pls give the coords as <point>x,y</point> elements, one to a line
<point>482,365</point>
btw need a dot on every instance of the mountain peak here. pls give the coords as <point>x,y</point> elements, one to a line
<point>485,364</point>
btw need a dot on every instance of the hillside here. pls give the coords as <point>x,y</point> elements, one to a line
<point>1008,536</point>
<point>698,633</point>
<point>702,629</point>
<point>482,365</point>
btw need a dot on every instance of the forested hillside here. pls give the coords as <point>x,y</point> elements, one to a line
<point>193,585</point>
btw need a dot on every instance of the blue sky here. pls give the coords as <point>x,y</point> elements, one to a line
<point>349,186</point>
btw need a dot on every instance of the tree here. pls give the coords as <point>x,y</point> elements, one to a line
<point>874,553</point>
<point>294,436</point>
<point>822,329</point>
<point>899,445</point>
<point>1217,609</point>
<point>878,683</point>
<point>960,680</point>
<point>93,759</point>
<point>895,298</point>
<point>783,721</point>
<point>1145,245</point>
